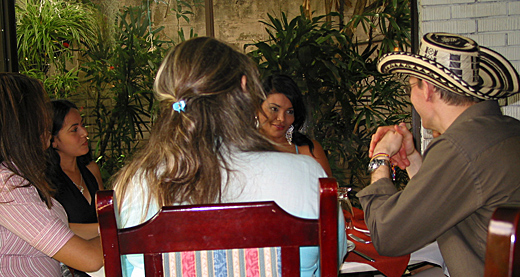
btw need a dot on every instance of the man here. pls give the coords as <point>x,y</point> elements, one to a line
<point>466,172</point>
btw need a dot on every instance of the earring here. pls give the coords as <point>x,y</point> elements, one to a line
<point>257,122</point>
<point>288,134</point>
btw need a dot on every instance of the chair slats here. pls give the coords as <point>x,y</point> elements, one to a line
<point>222,226</point>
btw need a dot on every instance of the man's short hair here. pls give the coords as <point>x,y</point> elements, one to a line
<point>452,98</point>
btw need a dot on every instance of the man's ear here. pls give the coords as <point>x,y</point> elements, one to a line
<point>243,82</point>
<point>429,91</point>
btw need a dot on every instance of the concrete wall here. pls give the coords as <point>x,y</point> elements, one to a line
<point>235,21</point>
<point>491,23</point>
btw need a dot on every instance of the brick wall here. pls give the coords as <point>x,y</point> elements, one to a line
<point>491,23</point>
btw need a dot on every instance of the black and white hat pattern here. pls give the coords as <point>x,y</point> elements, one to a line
<point>458,64</point>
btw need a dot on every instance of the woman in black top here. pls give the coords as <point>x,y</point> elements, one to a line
<point>71,169</point>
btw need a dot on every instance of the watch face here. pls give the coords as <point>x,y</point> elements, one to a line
<point>374,164</point>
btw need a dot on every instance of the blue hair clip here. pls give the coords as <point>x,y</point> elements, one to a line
<point>179,106</point>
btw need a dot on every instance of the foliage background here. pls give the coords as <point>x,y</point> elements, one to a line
<point>119,77</point>
<point>49,34</point>
<point>347,97</point>
<point>113,63</point>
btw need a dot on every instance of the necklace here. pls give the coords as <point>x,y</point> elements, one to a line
<point>80,187</point>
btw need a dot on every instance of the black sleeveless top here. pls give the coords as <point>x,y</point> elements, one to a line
<point>76,205</point>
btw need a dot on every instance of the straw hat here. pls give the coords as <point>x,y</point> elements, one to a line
<point>458,64</point>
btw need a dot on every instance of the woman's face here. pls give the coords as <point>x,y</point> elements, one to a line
<point>280,116</point>
<point>72,139</point>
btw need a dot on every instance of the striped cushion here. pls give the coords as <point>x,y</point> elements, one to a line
<point>250,262</point>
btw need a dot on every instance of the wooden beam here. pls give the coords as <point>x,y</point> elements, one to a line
<point>416,118</point>
<point>8,50</point>
<point>210,22</point>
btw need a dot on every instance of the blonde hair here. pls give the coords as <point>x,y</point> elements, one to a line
<point>183,161</point>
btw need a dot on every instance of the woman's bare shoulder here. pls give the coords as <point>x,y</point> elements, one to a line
<point>94,169</point>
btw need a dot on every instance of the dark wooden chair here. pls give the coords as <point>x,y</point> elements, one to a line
<point>502,251</point>
<point>222,226</point>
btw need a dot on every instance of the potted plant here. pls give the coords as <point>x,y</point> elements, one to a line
<point>49,35</point>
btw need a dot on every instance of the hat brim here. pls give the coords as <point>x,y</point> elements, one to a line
<point>498,78</point>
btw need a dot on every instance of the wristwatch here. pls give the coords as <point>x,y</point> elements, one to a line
<point>376,163</point>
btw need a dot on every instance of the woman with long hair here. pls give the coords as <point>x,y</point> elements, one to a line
<point>71,169</point>
<point>283,116</point>
<point>73,173</point>
<point>32,223</point>
<point>205,146</point>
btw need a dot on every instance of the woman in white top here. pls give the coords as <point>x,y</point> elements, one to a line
<point>205,146</point>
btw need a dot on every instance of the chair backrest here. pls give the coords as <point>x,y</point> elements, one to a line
<point>200,227</point>
<point>502,251</point>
